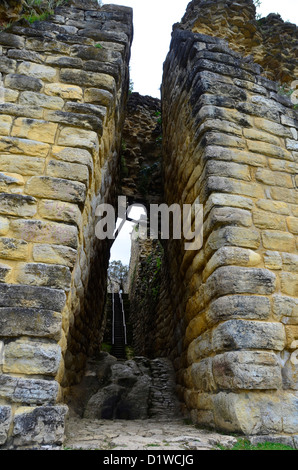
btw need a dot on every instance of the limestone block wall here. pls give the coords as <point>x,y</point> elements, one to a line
<point>271,41</point>
<point>64,86</point>
<point>230,143</point>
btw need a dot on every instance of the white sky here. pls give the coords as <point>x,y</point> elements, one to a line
<point>153,21</point>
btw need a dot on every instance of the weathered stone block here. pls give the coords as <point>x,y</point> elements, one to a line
<point>41,425</point>
<point>238,307</point>
<point>67,92</point>
<point>34,129</point>
<point>289,284</point>
<point>246,334</point>
<point>202,375</point>
<point>230,200</point>
<point>278,241</point>
<point>272,127</point>
<point>12,248</point>
<point>195,328</point>
<point>28,391</point>
<point>290,375</point>
<point>247,370</point>
<point>290,262</point>
<point>46,187</point>
<point>237,280</point>
<point>96,95</point>
<point>273,206</point>
<point>86,108</point>
<point>235,236</point>
<point>292,223</point>
<point>84,121</point>
<point>73,155</point>
<point>231,256</point>
<point>55,254</point>
<point>286,309</point>
<point>8,181</point>
<point>254,134</point>
<point>4,226</point>
<point>41,274</point>
<point>265,220</point>
<point>88,79</point>
<point>5,421</point>
<point>20,321</point>
<point>72,171</point>
<point>221,216</point>
<point>31,357</point>
<point>285,195</point>
<point>273,260</point>
<point>32,297</point>
<point>232,155</point>
<point>24,146</point>
<point>79,138</point>
<point>45,232</point>
<point>43,72</point>
<point>22,82</point>
<point>38,99</point>
<point>5,272</point>
<point>18,205</point>
<point>61,211</point>
<point>292,144</point>
<point>200,347</point>
<point>228,169</point>
<point>274,178</point>
<point>268,149</point>
<point>229,185</point>
<point>5,124</point>
<point>10,96</point>
<point>12,40</point>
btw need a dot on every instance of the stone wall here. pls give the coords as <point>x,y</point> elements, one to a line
<point>65,89</point>
<point>270,41</point>
<point>141,150</point>
<point>145,278</point>
<point>230,143</point>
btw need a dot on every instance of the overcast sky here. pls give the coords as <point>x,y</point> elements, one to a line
<point>153,20</point>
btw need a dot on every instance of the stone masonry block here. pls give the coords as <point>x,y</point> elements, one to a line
<point>248,370</point>
<point>43,425</point>
<point>5,421</point>
<point>28,391</point>
<point>246,334</point>
<point>31,357</point>
<point>237,280</point>
<point>32,297</point>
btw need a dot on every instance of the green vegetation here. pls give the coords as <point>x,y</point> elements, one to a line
<point>36,10</point>
<point>40,10</point>
<point>131,86</point>
<point>99,46</point>
<point>244,444</point>
<point>106,347</point>
<point>129,351</point>
<point>145,177</point>
<point>286,90</point>
<point>158,115</point>
<point>123,167</point>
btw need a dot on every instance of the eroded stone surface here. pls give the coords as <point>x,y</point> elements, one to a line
<point>140,435</point>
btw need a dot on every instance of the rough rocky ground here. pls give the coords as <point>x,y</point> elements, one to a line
<point>144,391</point>
<point>152,435</point>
